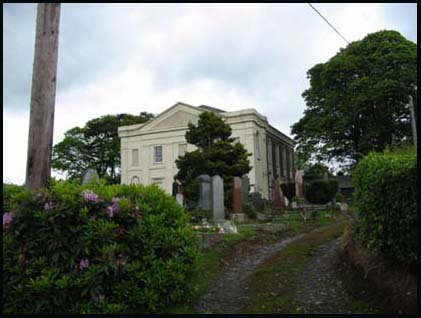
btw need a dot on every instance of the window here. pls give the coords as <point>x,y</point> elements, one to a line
<point>135,180</point>
<point>135,157</point>
<point>158,181</point>
<point>157,154</point>
<point>182,149</point>
<point>257,145</point>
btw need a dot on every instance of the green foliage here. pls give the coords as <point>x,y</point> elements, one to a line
<point>358,100</point>
<point>385,193</point>
<point>216,152</point>
<point>198,214</point>
<point>288,190</point>
<point>316,171</point>
<point>10,191</point>
<point>112,249</point>
<point>340,197</point>
<point>249,211</point>
<point>96,145</point>
<point>320,191</point>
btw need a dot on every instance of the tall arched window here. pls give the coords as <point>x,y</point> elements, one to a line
<point>135,180</point>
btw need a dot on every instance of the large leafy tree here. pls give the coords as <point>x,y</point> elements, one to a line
<point>96,145</point>
<point>216,151</point>
<point>358,100</point>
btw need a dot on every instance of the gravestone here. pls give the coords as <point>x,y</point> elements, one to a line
<point>175,188</point>
<point>299,183</point>
<point>204,192</point>
<point>257,201</point>
<point>237,195</point>
<point>218,213</point>
<point>278,197</point>
<point>90,175</point>
<point>179,199</point>
<point>246,185</point>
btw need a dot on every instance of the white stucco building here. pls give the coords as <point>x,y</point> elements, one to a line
<point>149,150</point>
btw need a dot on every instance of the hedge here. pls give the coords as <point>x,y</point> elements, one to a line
<point>96,249</point>
<point>320,191</point>
<point>9,192</point>
<point>385,193</point>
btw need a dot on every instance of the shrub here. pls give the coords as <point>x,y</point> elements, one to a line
<point>96,249</point>
<point>320,191</point>
<point>288,190</point>
<point>249,210</point>
<point>9,192</point>
<point>385,193</point>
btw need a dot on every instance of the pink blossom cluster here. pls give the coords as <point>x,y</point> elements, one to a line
<point>113,208</point>
<point>48,206</point>
<point>84,263</point>
<point>7,221</point>
<point>90,196</point>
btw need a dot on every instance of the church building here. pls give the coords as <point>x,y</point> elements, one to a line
<point>149,150</point>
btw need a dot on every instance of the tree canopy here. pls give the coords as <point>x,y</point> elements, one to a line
<point>216,151</point>
<point>96,145</point>
<point>358,100</point>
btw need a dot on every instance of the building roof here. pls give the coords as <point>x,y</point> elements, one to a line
<point>212,109</point>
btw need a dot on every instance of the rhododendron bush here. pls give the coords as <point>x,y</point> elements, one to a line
<point>96,249</point>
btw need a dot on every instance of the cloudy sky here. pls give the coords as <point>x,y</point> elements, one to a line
<point>128,58</point>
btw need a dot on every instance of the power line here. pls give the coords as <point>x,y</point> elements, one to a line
<point>328,23</point>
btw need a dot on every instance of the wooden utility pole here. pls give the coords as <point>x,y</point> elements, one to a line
<point>43,93</point>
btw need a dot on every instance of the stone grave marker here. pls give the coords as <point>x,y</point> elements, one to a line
<point>246,186</point>
<point>179,199</point>
<point>218,213</point>
<point>257,201</point>
<point>204,192</point>
<point>237,195</point>
<point>278,197</point>
<point>90,175</point>
<point>299,183</point>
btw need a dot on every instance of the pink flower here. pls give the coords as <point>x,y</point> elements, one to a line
<point>113,208</point>
<point>84,263</point>
<point>48,206</point>
<point>89,196</point>
<point>7,220</point>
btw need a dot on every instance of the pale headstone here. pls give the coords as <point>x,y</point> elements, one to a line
<point>204,192</point>
<point>237,195</point>
<point>237,217</point>
<point>179,199</point>
<point>90,175</point>
<point>344,207</point>
<point>218,213</point>
<point>227,227</point>
<point>246,186</point>
<point>299,183</point>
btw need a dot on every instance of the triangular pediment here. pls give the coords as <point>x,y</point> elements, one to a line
<point>176,116</point>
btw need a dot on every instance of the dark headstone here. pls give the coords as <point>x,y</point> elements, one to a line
<point>257,201</point>
<point>204,192</point>
<point>237,195</point>
<point>246,186</point>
